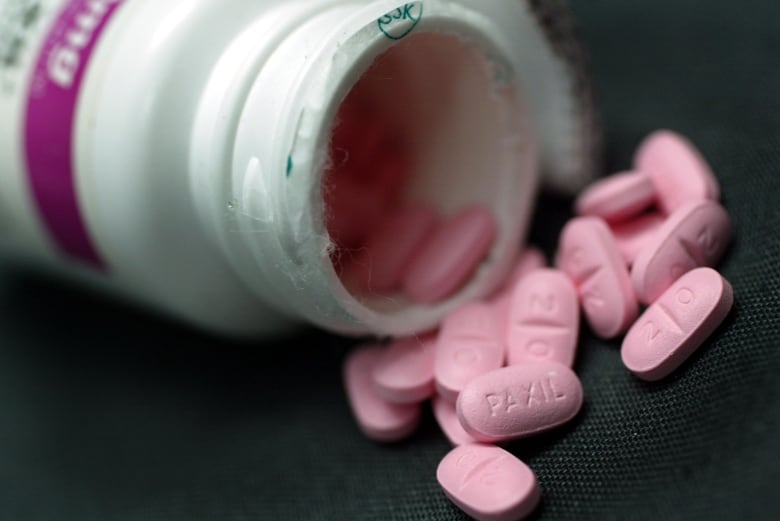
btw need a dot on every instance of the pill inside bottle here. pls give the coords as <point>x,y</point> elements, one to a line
<point>422,139</point>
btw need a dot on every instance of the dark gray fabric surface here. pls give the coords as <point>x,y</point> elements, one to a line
<point>108,414</point>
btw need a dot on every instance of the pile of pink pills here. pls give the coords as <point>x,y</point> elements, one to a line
<point>501,369</point>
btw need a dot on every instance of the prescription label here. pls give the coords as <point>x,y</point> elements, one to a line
<point>50,117</point>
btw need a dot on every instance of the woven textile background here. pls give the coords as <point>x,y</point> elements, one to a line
<point>107,414</point>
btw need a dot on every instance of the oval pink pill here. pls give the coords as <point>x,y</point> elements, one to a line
<point>617,197</point>
<point>404,371</point>
<point>677,324</point>
<point>450,256</point>
<point>679,172</point>
<point>470,344</point>
<point>519,401</point>
<point>530,259</point>
<point>695,235</point>
<point>379,420</point>
<point>488,483</point>
<point>447,418</point>
<point>632,236</point>
<point>590,257</point>
<point>544,319</point>
<point>392,245</point>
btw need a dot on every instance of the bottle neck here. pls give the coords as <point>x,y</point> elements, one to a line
<point>442,72</point>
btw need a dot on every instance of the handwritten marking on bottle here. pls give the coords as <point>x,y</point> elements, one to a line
<point>398,23</point>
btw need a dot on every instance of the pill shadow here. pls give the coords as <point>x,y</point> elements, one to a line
<point>552,212</point>
<point>89,385</point>
<point>91,333</point>
<point>528,449</point>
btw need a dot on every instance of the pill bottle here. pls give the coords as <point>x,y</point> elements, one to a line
<point>172,151</point>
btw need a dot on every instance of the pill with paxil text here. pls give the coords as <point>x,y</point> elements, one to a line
<point>451,255</point>
<point>695,235</point>
<point>392,245</point>
<point>617,197</point>
<point>470,344</point>
<point>519,401</point>
<point>590,257</point>
<point>544,319</point>
<point>447,418</point>
<point>378,419</point>
<point>679,172</point>
<point>632,236</point>
<point>677,324</point>
<point>404,371</point>
<point>488,483</point>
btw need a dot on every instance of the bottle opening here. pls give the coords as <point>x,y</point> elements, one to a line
<point>429,131</point>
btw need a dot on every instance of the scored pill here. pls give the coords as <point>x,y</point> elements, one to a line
<point>544,319</point>
<point>632,236</point>
<point>677,324</point>
<point>470,344</point>
<point>378,419</point>
<point>590,257</point>
<point>452,253</point>
<point>679,172</point>
<point>519,401</point>
<point>530,259</point>
<point>391,246</point>
<point>404,371</point>
<point>488,483</point>
<point>447,418</point>
<point>695,235</point>
<point>617,197</point>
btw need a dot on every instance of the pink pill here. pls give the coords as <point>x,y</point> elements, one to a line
<point>379,420</point>
<point>617,197</point>
<point>519,400</point>
<point>447,418</point>
<point>695,235</point>
<point>590,257</point>
<point>632,236</point>
<point>392,245</point>
<point>679,172</point>
<point>544,319</point>
<point>450,256</point>
<point>488,483</point>
<point>529,259</point>
<point>470,344</point>
<point>404,371</point>
<point>677,324</point>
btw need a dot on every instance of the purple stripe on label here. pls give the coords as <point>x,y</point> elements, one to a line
<point>50,122</point>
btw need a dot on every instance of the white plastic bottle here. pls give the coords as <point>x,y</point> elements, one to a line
<point>173,150</point>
